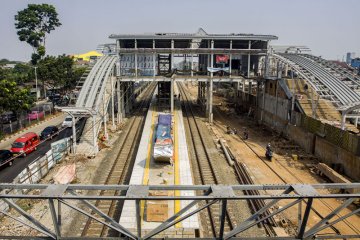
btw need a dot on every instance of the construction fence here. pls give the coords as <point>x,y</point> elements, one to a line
<point>35,171</point>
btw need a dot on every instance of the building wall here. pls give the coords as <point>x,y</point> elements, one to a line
<point>145,65</point>
<point>343,155</point>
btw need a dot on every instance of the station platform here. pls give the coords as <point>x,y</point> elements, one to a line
<point>146,171</point>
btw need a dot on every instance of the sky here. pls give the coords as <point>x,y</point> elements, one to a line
<point>330,28</point>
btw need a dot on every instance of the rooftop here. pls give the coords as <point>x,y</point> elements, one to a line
<point>200,34</point>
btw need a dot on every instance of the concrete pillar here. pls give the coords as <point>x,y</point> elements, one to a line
<point>172,95</point>
<point>136,63</point>
<point>212,58</point>
<point>211,101</point>
<point>192,65</point>
<point>105,117</point>
<point>356,121</point>
<point>154,60</point>
<point>172,55</point>
<point>230,58</point>
<point>263,102</point>
<point>112,102</point>
<point>248,67</point>
<point>343,120</point>
<point>118,96</point>
<point>127,100</point>
<point>207,98</point>
<point>122,102</point>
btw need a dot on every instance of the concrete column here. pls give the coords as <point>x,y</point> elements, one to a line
<point>118,95</point>
<point>207,98</point>
<point>248,67</point>
<point>119,56</point>
<point>127,100</point>
<point>230,58</point>
<point>192,65</point>
<point>105,117</point>
<point>343,120</point>
<point>172,95</point>
<point>154,60</point>
<point>212,57</point>
<point>356,121</point>
<point>112,102</point>
<point>263,103</point>
<point>136,63</point>
<point>122,101</point>
<point>172,55</point>
<point>210,101</point>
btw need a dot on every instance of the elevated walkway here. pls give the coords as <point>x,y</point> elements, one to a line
<point>93,100</point>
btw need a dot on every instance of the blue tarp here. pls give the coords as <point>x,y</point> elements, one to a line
<point>163,132</point>
<point>164,119</point>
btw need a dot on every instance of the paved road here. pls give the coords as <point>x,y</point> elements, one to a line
<point>37,129</point>
<point>8,174</point>
<point>8,128</point>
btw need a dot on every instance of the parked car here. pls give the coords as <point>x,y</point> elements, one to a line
<point>67,122</point>
<point>34,115</point>
<point>7,117</point>
<point>5,155</point>
<point>25,144</point>
<point>49,132</point>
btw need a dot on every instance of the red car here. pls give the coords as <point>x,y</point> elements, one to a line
<point>34,115</point>
<point>25,144</point>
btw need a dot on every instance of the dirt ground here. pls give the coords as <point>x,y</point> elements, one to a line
<point>282,169</point>
<point>86,173</point>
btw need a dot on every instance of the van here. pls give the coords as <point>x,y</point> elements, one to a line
<point>25,144</point>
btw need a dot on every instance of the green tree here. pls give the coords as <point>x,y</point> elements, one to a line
<point>59,72</point>
<point>33,24</point>
<point>14,98</point>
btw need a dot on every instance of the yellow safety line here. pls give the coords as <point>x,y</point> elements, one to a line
<point>177,207</point>
<point>148,159</point>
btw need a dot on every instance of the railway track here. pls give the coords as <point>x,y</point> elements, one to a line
<point>276,172</point>
<point>119,172</point>
<point>206,172</point>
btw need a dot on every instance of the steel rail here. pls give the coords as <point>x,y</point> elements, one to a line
<point>119,168</point>
<point>206,169</point>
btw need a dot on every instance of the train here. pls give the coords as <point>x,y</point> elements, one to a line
<point>163,145</point>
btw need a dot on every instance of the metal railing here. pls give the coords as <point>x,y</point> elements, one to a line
<point>288,195</point>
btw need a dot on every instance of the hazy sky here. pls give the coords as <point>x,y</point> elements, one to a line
<point>329,27</point>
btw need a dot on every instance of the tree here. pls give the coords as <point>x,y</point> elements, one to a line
<point>33,23</point>
<point>59,72</point>
<point>14,98</point>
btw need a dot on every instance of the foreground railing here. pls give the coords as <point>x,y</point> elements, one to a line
<point>204,196</point>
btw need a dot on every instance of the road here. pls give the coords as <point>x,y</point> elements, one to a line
<point>8,128</point>
<point>8,174</point>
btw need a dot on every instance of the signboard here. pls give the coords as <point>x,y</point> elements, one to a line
<point>222,58</point>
